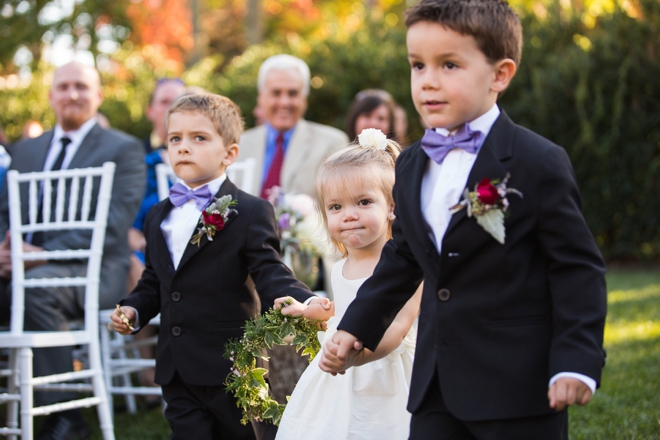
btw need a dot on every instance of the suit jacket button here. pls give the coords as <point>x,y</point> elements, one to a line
<point>176,331</point>
<point>444,294</point>
<point>176,296</point>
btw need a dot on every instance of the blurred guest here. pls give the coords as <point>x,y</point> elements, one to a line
<point>5,161</point>
<point>166,92</point>
<point>76,142</point>
<point>3,138</point>
<point>287,148</point>
<point>32,129</point>
<point>103,120</point>
<point>371,108</point>
<point>401,125</point>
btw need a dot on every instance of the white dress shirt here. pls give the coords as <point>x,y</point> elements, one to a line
<point>180,224</point>
<point>443,186</point>
<point>76,136</point>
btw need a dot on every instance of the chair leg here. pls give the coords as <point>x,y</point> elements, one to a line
<point>98,382</point>
<point>12,388</point>
<point>25,374</point>
<point>125,379</point>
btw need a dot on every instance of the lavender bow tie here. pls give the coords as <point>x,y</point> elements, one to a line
<point>179,195</point>
<point>437,146</point>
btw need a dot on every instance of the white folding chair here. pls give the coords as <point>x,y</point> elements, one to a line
<point>121,358</point>
<point>242,174</point>
<point>73,205</point>
<point>164,176</point>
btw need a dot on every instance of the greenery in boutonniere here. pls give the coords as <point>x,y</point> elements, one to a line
<point>488,203</point>
<point>213,218</point>
<point>246,380</point>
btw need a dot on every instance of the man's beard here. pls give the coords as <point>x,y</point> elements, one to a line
<point>73,120</point>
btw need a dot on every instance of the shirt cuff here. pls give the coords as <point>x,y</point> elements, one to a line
<point>309,300</point>
<point>581,377</point>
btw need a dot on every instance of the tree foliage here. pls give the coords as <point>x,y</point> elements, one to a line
<point>588,82</point>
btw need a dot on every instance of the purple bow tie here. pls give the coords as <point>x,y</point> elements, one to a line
<point>437,146</point>
<point>179,195</point>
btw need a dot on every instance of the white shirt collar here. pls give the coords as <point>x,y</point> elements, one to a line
<point>76,136</point>
<point>483,123</point>
<point>214,185</point>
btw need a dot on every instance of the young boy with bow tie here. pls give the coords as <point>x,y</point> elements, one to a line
<point>514,303</point>
<point>202,244</point>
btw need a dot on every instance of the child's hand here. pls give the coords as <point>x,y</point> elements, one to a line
<point>340,353</point>
<point>118,323</point>
<point>567,391</point>
<point>289,306</point>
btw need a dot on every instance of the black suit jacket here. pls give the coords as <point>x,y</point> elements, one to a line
<point>99,146</point>
<point>510,316</point>
<point>208,298</point>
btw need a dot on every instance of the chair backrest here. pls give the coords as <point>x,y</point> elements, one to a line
<point>76,199</point>
<point>240,173</point>
<point>164,178</point>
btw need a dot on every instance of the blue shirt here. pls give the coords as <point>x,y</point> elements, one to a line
<point>271,138</point>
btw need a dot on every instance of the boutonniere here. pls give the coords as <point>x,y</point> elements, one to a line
<point>488,204</point>
<point>213,218</point>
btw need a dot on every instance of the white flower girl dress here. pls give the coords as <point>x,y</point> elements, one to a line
<point>366,403</point>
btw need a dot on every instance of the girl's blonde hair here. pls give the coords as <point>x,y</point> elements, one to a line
<point>351,168</point>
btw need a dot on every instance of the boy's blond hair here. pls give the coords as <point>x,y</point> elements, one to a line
<point>492,23</point>
<point>223,113</point>
<point>351,167</point>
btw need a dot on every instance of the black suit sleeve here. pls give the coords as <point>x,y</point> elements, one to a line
<point>145,298</point>
<point>271,277</point>
<point>575,272</point>
<point>393,283</point>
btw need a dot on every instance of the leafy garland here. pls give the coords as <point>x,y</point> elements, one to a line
<point>246,381</point>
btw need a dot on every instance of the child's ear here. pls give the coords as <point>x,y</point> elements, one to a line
<point>232,154</point>
<point>504,71</point>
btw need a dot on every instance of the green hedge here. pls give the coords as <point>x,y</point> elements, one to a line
<point>592,88</point>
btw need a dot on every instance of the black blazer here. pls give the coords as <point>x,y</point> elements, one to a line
<point>206,300</point>
<point>496,321</point>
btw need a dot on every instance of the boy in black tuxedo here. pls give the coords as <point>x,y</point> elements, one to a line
<point>513,312</point>
<point>196,279</point>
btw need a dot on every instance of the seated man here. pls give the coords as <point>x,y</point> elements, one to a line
<point>76,142</point>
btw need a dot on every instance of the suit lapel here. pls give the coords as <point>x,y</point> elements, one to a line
<point>86,149</point>
<point>227,188</point>
<point>419,164</point>
<point>496,148</point>
<point>41,150</point>
<point>295,153</point>
<point>162,251</point>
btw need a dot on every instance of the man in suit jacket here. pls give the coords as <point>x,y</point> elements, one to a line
<point>288,149</point>
<point>75,96</point>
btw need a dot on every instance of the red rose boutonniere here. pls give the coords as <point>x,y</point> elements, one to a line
<point>213,218</point>
<point>488,204</point>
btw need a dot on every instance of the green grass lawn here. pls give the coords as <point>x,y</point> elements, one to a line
<point>626,407</point>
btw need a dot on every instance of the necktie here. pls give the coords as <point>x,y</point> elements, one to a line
<point>437,146</point>
<point>37,238</point>
<point>60,158</point>
<point>179,195</point>
<point>273,176</point>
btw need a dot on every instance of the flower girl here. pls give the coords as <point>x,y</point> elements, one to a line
<point>354,194</point>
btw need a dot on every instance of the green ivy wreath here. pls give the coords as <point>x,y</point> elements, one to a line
<point>246,381</point>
